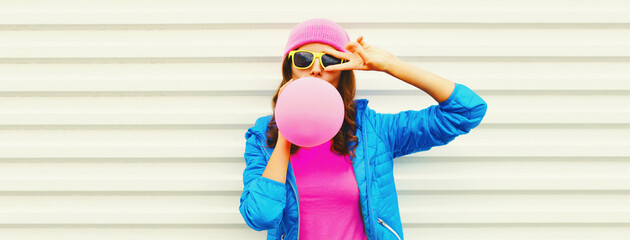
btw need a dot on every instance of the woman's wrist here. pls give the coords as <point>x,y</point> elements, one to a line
<point>393,65</point>
<point>282,142</point>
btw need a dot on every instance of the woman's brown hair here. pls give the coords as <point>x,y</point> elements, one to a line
<point>344,142</point>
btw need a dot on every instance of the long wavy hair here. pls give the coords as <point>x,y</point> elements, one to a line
<point>344,142</point>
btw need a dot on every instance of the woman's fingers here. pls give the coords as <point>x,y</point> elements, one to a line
<point>354,62</point>
<point>338,54</point>
<point>358,49</point>
<point>348,65</point>
<point>360,41</point>
<point>340,67</point>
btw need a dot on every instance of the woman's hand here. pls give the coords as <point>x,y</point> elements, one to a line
<point>363,56</point>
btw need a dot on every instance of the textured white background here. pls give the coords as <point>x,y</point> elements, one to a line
<point>125,119</point>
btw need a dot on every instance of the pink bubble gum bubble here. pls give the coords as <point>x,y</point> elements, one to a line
<point>309,112</point>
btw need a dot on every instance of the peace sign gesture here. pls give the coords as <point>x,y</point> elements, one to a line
<point>363,56</point>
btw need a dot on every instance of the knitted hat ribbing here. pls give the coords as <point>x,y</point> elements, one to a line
<point>317,30</point>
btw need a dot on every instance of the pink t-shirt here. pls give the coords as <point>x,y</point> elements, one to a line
<point>328,195</point>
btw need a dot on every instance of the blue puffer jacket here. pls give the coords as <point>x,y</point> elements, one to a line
<point>270,205</point>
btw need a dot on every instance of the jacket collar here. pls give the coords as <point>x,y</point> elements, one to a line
<point>361,108</point>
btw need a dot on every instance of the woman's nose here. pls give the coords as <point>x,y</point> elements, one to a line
<point>316,69</point>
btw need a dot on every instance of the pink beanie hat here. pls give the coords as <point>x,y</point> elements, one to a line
<point>317,30</point>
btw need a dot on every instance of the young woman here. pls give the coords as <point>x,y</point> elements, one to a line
<point>344,189</point>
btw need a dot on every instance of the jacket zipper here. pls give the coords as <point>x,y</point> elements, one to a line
<point>292,187</point>
<point>367,166</point>
<point>388,227</point>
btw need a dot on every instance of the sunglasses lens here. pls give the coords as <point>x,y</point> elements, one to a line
<point>302,59</point>
<point>328,60</point>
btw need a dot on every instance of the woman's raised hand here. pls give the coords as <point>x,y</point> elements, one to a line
<point>363,56</point>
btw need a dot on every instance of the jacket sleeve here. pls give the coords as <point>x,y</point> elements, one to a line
<point>263,200</point>
<point>412,131</point>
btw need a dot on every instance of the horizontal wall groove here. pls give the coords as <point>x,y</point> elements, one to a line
<point>124,160</point>
<point>244,127</point>
<point>517,225</point>
<point>165,59</point>
<point>413,159</point>
<point>139,126</point>
<point>513,125</point>
<point>514,192</point>
<point>96,94</point>
<point>407,159</point>
<point>245,227</point>
<point>126,225</point>
<point>383,92</point>
<point>276,59</point>
<point>510,92</point>
<point>120,193</point>
<point>347,25</point>
<point>404,183</point>
<point>239,192</point>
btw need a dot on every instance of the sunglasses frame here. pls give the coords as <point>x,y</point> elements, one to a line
<point>315,55</point>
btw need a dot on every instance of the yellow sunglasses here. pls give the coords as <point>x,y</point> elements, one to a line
<point>303,59</point>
